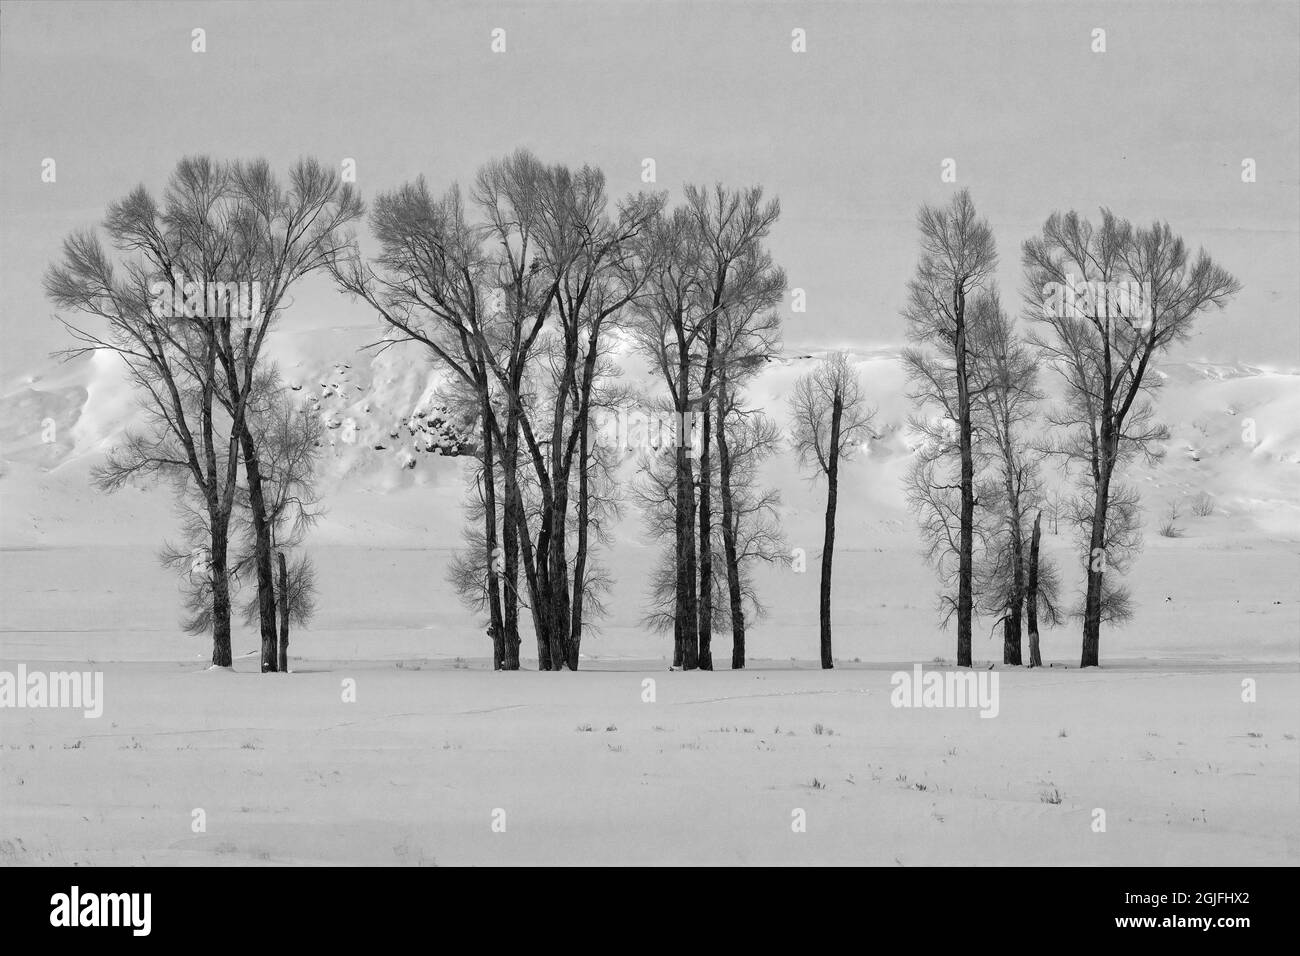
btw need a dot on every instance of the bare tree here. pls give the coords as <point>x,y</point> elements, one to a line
<point>703,259</point>
<point>287,440</point>
<point>1005,404</point>
<point>1115,298</point>
<point>426,286</point>
<point>751,528</point>
<point>748,336</point>
<point>222,226</point>
<point>562,266</point>
<point>737,275</point>
<point>957,259</point>
<point>666,332</point>
<point>830,418</point>
<point>555,223</point>
<point>170,356</point>
<point>748,534</point>
<point>279,233</point>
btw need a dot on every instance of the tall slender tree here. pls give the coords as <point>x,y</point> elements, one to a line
<point>288,442</point>
<point>957,261</point>
<point>1005,404</point>
<point>1114,299</point>
<point>706,258</point>
<point>171,358</point>
<point>279,234</point>
<point>830,418</point>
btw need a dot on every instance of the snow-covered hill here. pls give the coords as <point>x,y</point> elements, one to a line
<point>393,498</point>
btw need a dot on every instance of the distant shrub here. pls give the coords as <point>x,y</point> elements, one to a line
<point>1169,527</point>
<point>1203,505</point>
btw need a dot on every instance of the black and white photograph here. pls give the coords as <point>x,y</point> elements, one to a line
<point>650,434</point>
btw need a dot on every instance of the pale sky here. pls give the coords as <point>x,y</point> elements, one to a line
<point>850,135</point>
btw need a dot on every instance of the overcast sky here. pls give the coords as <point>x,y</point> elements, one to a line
<point>850,135</point>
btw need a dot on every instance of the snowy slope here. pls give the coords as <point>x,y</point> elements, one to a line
<point>393,515</point>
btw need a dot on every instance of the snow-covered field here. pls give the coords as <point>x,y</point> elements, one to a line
<point>418,768</point>
<point>715,768</point>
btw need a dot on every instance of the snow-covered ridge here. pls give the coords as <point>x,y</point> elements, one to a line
<point>1235,428</point>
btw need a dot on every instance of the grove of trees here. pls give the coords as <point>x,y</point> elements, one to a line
<point>530,289</point>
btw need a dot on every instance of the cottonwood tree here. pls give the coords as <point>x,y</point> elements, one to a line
<point>270,234</point>
<point>737,276</point>
<point>1005,405</point>
<point>561,265</point>
<point>750,525</point>
<point>666,333</point>
<point>596,489</point>
<point>957,260</point>
<point>933,483</point>
<point>425,285</point>
<point>475,571</point>
<point>746,338</point>
<point>830,418</point>
<point>288,442</point>
<point>748,533</point>
<point>567,265</point>
<point>1104,341</point>
<point>749,337</point>
<point>172,360</point>
<point>602,273</point>
<point>221,226</point>
<point>702,259</point>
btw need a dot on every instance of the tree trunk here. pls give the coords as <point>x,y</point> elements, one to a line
<point>1096,571</point>
<point>706,547</point>
<point>284,615</point>
<point>828,546</point>
<point>558,561</point>
<point>510,590</point>
<point>965,597</point>
<point>541,589</point>
<point>580,557</point>
<point>220,503</point>
<point>496,627</point>
<point>560,606</point>
<point>687,608</point>
<point>262,535</point>
<point>1011,628</point>
<point>537,587</point>
<point>220,572</point>
<point>510,542</point>
<point>512,523</point>
<point>1031,594</point>
<point>1011,631</point>
<point>541,595</point>
<point>729,536</point>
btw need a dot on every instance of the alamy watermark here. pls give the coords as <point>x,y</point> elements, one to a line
<point>654,430</point>
<point>1080,298</point>
<point>74,908</point>
<point>181,298</point>
<point>83,689</point>
<point>946,688</point>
